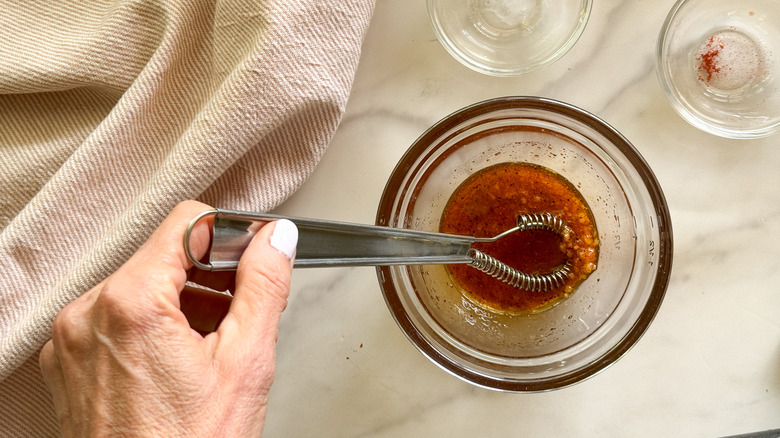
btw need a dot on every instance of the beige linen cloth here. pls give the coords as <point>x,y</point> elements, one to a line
<point>113,111</point>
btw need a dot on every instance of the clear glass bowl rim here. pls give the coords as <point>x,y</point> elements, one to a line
<point>520,69</point>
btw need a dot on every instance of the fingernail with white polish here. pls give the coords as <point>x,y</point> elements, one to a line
<point>285,237</point>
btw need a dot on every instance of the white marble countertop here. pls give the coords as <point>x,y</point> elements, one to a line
<point>708,366</point>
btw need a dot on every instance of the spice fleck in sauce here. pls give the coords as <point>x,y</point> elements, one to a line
<point>489,202</point>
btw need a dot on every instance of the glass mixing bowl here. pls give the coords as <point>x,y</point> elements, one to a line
<point>508,37</point>
<point>716,64</point>
<point>609,311</point>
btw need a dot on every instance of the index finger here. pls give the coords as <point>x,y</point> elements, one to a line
<point>162,257</point>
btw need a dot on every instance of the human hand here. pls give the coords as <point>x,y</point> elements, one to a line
<point>124,360</point>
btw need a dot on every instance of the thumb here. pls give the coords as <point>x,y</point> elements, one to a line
<point>262,286</point>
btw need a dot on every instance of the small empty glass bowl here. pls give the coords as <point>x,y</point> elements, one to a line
<point>508,37</point>
<point>717,65</point>
<point>609,311</point>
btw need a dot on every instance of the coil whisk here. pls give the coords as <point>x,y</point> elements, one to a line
<point>530,282</point>
<point>514,277</point>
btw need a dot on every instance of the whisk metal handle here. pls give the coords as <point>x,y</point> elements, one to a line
<point>324,243</point>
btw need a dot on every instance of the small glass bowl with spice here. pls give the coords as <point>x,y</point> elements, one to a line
<point>474,173</point>
<point>716,61</point>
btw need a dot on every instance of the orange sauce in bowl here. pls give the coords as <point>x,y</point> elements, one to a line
<point>488,203</point>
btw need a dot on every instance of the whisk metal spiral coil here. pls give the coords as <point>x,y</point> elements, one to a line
<point>507,274</point>
<point>514,277</point>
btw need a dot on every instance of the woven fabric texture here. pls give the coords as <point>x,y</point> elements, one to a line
<point>113,111</point>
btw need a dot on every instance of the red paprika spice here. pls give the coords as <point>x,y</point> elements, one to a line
<point>709,64</point>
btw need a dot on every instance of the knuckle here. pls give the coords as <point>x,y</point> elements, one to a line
<point>112,302</point>
<point>69,328</point>
<point>137,304</point>
<point>265,372</point>
<point>47,360</point>
<point>188,207</point>
<point>114,309</point>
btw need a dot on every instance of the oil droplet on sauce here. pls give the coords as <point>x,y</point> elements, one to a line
<point>488,203</point>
